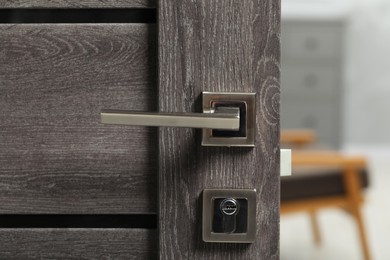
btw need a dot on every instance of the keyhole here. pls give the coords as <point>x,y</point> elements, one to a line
<point>229,207</point>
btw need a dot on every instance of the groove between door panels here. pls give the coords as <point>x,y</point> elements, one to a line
<point>134,15</point>
<point>148,221</point>
<point>78,244</point>
<point>55,155</point>
<point>78,4</point>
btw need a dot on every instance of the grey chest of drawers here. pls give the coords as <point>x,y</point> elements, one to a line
<point>312,77</point>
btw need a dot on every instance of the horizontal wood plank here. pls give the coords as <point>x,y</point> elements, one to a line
<point>78,244</point>
<point>55,155</point>
<point>77,3</point>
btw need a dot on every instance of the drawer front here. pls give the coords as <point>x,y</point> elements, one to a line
<point>305,81</point>
<point>311,41</point>
<point>55,156</point>
<point>321,116</point>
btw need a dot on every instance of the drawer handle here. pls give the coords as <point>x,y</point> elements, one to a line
<point>311,81</point>
<point>312,44</point>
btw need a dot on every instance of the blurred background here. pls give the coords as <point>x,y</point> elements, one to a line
<point>336,83</point>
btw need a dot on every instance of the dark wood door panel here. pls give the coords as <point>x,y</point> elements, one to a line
<point>55,156</point>
<point>77,3</point>
<point>134,244</point>
<point>218,46</point>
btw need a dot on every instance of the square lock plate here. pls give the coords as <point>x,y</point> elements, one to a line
<point>229,215</point>
<point>246,102</point>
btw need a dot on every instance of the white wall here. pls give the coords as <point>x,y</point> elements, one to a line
<point>367,106</point>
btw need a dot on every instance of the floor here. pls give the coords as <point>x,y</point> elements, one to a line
<point>339,233</point>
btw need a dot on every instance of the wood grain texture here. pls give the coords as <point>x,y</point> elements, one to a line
<point>221,45</point>
<point>55,156</point>
<point>77,3</point>
<point>78,244</point>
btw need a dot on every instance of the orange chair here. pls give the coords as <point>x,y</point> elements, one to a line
<point>323,180</point>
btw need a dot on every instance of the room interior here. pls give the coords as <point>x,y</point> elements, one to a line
<point>335,86</point>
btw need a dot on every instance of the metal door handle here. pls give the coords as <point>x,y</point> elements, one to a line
<point>221,118</point>
<point>228,119</point>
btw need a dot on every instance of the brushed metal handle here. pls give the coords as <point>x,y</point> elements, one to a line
<point>233,114</point>
<point>221,118</point>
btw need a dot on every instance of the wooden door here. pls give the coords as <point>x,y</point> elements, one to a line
<point>220,46</point>
<point>71,187</point>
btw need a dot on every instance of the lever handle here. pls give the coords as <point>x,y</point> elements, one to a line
<point>221,118</point>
